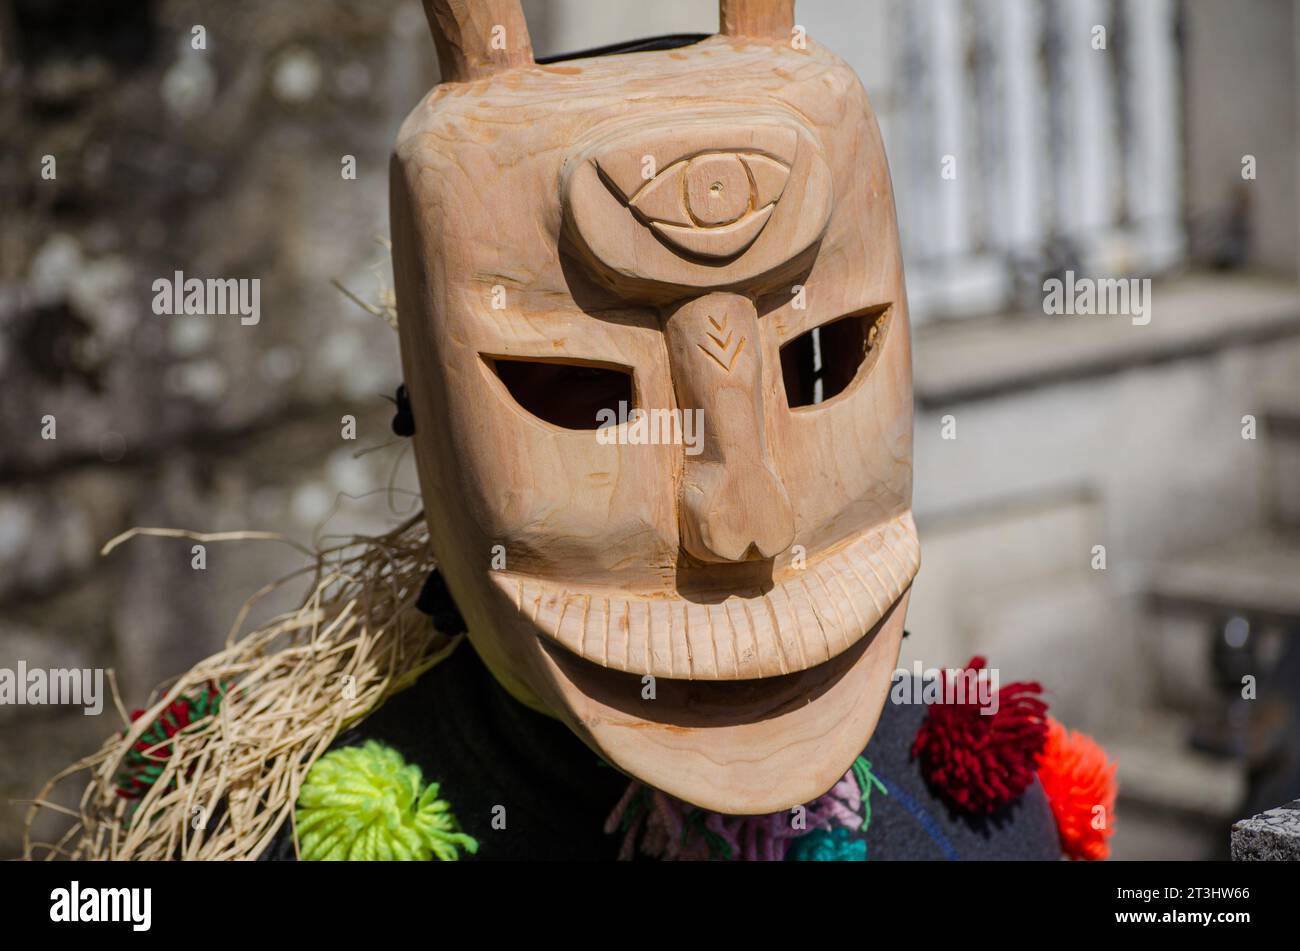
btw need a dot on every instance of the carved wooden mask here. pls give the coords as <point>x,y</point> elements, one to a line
<point>717,612</point>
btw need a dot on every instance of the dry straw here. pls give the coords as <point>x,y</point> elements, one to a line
<point>294,683</point>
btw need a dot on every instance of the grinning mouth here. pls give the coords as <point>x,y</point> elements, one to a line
<point>804,619</point>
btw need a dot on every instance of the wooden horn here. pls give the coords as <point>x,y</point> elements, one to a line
<point>476,38</point>
<point>769,19</point>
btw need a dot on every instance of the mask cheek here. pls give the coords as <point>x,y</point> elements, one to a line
<point>552,500</point>
<point>847,461</point>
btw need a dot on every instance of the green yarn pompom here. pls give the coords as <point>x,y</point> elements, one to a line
<point>365,804</point>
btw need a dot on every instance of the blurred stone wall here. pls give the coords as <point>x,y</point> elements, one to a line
<point>221,162</point>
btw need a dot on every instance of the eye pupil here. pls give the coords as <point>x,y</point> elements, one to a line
<point>717,189</point>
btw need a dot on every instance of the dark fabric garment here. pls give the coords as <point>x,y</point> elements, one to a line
<point>912,823</point>
<point>487,750</point>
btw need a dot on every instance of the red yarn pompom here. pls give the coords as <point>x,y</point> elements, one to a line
<point>979,762</point>
<point>1080,784</point>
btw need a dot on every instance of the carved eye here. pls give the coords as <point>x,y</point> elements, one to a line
<point>821,364</point>
<point>698,198</point>
<point>709,197</point>
<point>564,394</point>
<point>715,204</point>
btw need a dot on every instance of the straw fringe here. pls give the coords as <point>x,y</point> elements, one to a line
<point>232,779</point>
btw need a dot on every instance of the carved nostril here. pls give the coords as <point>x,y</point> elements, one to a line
<point>735,512</point>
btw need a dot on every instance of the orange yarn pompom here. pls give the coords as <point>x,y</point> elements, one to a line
<point>1078,778</point>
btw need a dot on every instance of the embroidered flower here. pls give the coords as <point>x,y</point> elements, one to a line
<point>148,756</point>
<point>659,826</point>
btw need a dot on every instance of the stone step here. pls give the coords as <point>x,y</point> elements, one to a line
<point>1282,416</point>
<point>1281,425</point>
<point>1257,576</point>
<point>1159,772</point>
<point>1272,836</point>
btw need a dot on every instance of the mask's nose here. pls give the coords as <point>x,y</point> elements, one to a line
<point>733,506</point>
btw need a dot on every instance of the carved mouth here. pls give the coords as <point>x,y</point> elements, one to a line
<point>802,620</point>
<point>750,747</point>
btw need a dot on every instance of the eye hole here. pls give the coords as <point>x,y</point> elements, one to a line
<point>567,395</point>
<point>820,364</point>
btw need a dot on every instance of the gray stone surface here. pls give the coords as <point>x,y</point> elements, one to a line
<point>222,163</point>
<point>1273,836</point>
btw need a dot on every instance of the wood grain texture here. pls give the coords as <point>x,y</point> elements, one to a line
<point>769,233</point>
<point>733,505</point>
<point>756,18</point>
<point>802,621</point>
<point>760,576</point>
<point>476,38</point>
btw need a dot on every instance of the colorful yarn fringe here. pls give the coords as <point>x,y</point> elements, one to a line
<point>820,845</point>
<point>1080,784</point>
<point>662,827</point>
<point>144,763</point>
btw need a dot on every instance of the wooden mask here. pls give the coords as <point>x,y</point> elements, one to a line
<point>712,600</point>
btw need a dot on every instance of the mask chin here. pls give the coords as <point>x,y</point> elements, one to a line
<point>748,747</point>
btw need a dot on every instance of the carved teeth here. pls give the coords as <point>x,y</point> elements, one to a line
<point>806,619</point>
